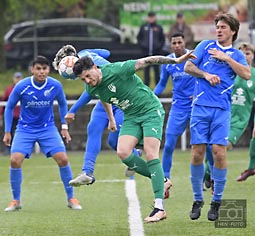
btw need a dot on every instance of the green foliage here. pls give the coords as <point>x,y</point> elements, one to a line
<point>105,207</point>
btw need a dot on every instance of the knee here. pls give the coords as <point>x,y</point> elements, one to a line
<point>61,159</point>
<point>197,157</point>
<point>123,153</point>
<point>16,162</point>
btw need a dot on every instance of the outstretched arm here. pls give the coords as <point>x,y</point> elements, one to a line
<point>112,124</point>
<point>152,60</point>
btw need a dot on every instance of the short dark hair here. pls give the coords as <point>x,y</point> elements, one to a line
<point>177,34</point>
<point>84,63</point>
<point>42,60</point>
<point>179,14</point>
<point>151,13</point>
<point>230,20</point>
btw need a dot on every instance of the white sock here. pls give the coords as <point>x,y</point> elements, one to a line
<point>159,203</point>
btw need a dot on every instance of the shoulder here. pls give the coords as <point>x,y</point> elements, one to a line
<point>53,80</point>
<point>26,81</point>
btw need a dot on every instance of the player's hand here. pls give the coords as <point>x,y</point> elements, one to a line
<point>69,117</point>
<point>65,134</point>
<point>7,139</point>
<point>185,57</point>
<point>212,79</point>
<point>112,126</point>
<point>218,54</point>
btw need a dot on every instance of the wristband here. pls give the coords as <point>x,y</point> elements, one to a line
<point>64,126</point>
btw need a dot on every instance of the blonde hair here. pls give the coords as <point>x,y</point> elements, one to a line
<point>246,46</point>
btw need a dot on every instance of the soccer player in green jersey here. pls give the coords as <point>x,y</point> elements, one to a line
<point>243,95</point>
<point>117,83</point>
<point>242,101</point>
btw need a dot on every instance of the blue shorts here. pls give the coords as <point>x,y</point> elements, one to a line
<point>49,140</point>
<point>209,125</point>
<point>177,121</point>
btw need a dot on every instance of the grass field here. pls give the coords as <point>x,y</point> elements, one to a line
<point>105,206</point>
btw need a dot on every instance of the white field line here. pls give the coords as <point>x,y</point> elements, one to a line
<point>134,213</point>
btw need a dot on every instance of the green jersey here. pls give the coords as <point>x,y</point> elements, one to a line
<point>121,87</point>
<point>242,99</point>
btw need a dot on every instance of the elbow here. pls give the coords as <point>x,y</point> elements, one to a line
<point>186,68</point>
<point>247,75</point>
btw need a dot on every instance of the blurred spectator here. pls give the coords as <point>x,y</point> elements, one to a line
<point>16,78</point>
<point>181,26</point>
<point>151,39</point>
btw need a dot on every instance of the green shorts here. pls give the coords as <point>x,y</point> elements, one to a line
<point>235,134</point>
<point>148,125</point>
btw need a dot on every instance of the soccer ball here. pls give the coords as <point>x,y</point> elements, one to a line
<point>65,67</point>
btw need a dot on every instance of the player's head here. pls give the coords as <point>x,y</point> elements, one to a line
<point>221,21</point>
<point>177,43</point>
<point>151,17</point>
<point>87,71</point>
<point>17,77</point>
<point>248,50</point>
<point>67,50</point>
<point>40,68</point>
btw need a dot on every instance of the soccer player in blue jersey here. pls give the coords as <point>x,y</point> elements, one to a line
<point>216,67</point>
<point>36,95</point>
<point>98,120</point>
<point>179,115</point>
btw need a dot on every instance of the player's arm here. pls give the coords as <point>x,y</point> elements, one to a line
<point>8,115</point>
<point>192,69</point>
<point>84,99</point>
<point>161,85</point>
<point>152,60</point>
<point>242,70</point>
<point>62,106</point>
<point>112,123</point>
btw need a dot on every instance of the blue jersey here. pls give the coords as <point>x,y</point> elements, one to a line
<point>183,84</point>
<point>36,104</point>
<point>219,95</point>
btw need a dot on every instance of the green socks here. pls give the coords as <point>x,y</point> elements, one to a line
<point>138,164</point>
<point>151,169</point>
<point>157,178</point>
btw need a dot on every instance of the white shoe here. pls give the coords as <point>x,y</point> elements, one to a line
<point>82,179</point>
<point>156,216</point>
<point>73,203</point>
<point>13,206</point>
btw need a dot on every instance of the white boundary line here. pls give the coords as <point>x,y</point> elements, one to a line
<point>134,213</point>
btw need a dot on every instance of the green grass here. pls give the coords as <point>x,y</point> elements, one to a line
<point>104,203</point>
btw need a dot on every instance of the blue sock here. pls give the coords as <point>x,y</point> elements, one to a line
<point>209,158</point>
<point>167,157</point>
<point>219,177</point>
<point>66,176</point>
<point>89,162</point>
<point>197,175</point>
<point>16,180</point>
